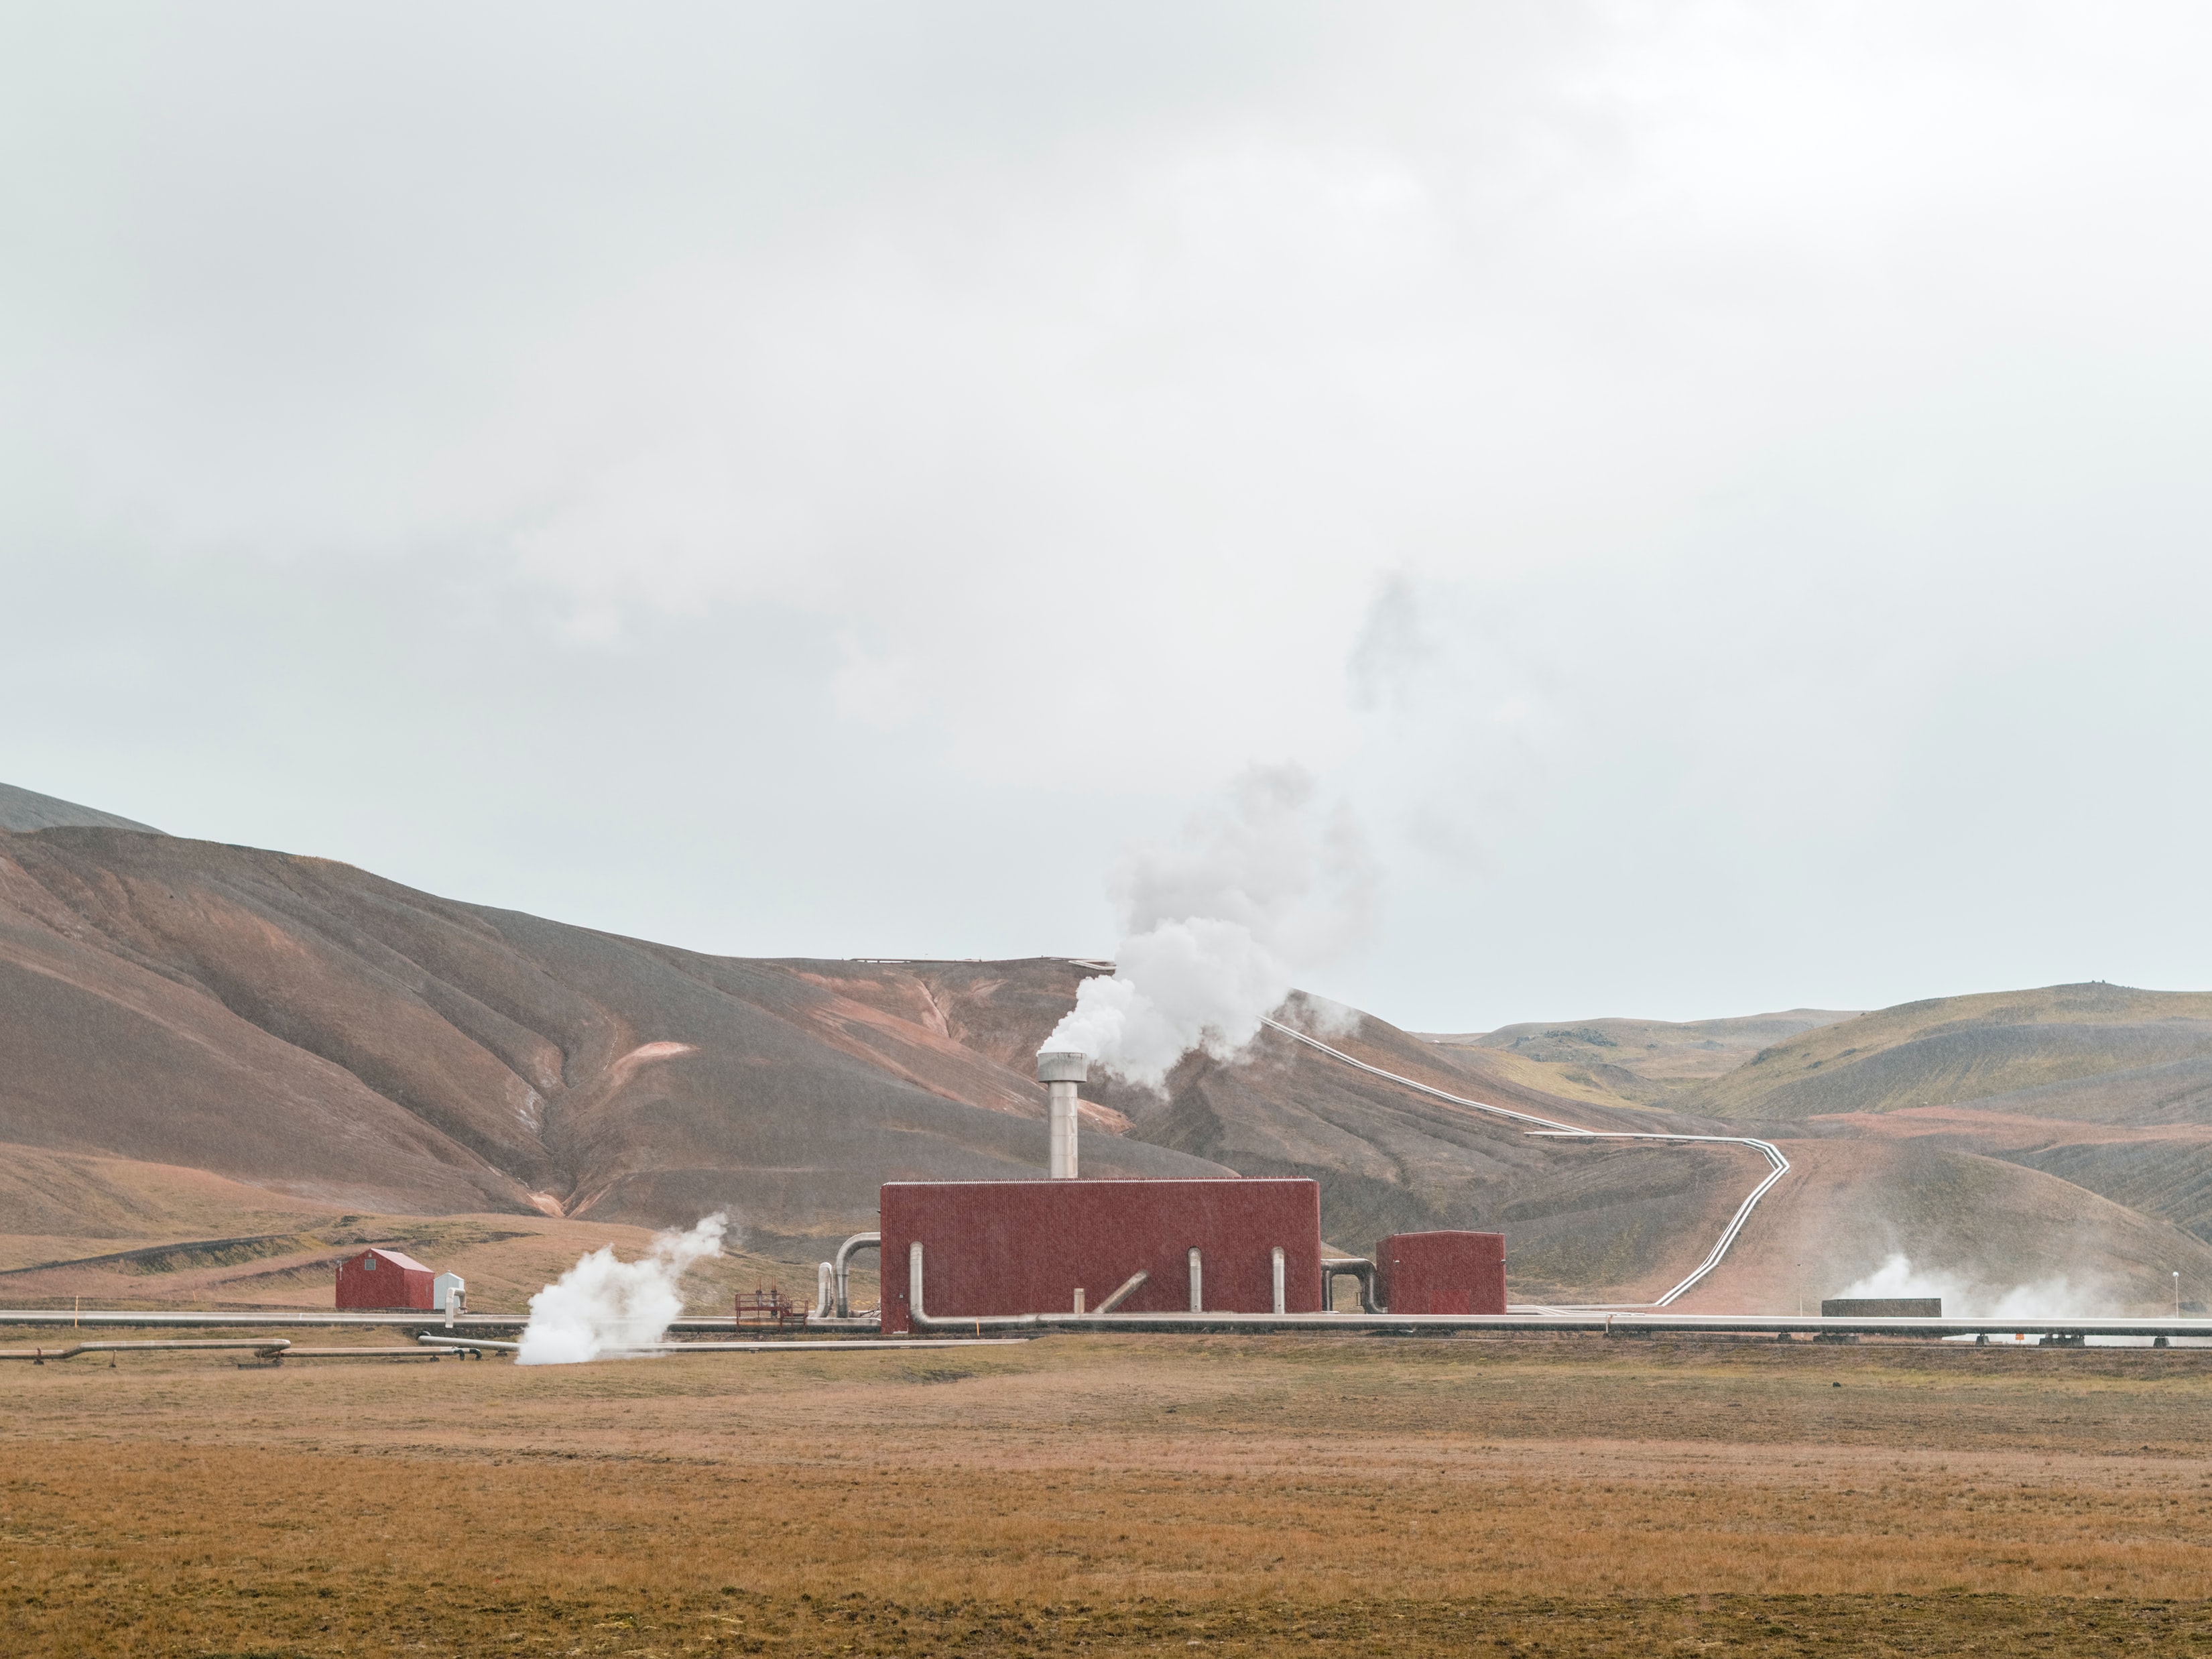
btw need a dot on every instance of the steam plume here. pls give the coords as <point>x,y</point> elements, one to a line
<point>1214,926</point>
<point>602,1306</point>
<point>2055,1297</point>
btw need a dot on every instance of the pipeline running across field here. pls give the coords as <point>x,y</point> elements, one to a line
<point>1582,1321</point>
<point>1778,1165</point>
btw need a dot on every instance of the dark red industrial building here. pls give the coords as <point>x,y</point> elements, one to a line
<point>386,1279</point>
<point>997,1249</point>
<point>1441,1273</point>
<point>1023,1247</point>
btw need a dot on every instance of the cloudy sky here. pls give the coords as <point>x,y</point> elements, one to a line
<point>1716,496</point>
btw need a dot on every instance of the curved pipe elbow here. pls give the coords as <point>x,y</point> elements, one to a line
<point>841,1267</point>
<point>1359,1268</point>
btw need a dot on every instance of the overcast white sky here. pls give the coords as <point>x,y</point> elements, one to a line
<point>1720,493</point>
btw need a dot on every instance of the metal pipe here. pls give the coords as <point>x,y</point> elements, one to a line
<point>836,1344</point>
<point>1591,1322</point>
<point>1197,1281</point>
<point>1564,1321</point>
<point>1129,1287</point>
<point>1772,1154</point>
<point>839,1344</point>
<point>1061,1072</point>
<point>1356,1266</point>
<point>409,1320</point>
<point>39,1356</point>
<point>825,1291</point>
<point>1275,1265</point>
<point>913,1279</point>
<point>467,1343</point>
<point>844,1265</point>
<point>1551,1127</point>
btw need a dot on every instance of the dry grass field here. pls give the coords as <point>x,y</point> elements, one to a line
<point>1106,1495</point>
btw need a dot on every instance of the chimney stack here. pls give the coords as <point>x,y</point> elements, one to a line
<point>1059,1072</point>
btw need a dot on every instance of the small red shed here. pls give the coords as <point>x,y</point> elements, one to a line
<point>1441,1273</point>
<point>386,1279</point>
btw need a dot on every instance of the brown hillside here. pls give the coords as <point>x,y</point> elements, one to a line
<point>1991,1227</point>
<point>312,1030</point>
<point>244,1057</point>
<point>302,1033</point>
<point>1954,1050</point>
<point>24,809</point>
<point>1646,1060</point>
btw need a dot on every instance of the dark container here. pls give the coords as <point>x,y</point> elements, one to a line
<point>1882,1307</point>
<point>1441,1273</point>
<point>1020,1247</point>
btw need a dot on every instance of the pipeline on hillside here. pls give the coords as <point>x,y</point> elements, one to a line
<point>1779,1165</point>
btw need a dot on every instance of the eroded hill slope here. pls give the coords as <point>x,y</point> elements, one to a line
<point>315,1032</point>
<point>201,1044</point>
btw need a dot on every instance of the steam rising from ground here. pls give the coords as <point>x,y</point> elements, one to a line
<point>2055,1297</point>
<point>1214,926</point>
<point>602,1306</point>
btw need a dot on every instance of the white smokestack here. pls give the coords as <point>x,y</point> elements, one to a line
<point>1214,928</point>
<point>603,1307</point>
<point>1060,1073</point>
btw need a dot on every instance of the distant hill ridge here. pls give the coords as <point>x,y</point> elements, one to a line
<point>25,810</point>
<point>1651,1060</point>
<point>1954,1050</point>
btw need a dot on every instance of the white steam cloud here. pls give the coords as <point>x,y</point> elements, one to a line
<point>603,1307</point>
<point>2055,1297</point>
<point>1214,926</point>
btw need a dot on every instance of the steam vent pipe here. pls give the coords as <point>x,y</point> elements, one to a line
<point>1061,1072</point>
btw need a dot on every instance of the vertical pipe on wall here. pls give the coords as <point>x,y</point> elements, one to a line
<point>913,1282</point>
<point>1197,1283</point>
<point>1276,1258</point>
<point>1062,1111</point>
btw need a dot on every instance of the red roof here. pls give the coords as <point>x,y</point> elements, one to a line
<point>398,1259</point>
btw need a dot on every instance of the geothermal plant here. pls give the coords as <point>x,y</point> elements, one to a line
<point>984,1261</point>
<point>983,1254</point>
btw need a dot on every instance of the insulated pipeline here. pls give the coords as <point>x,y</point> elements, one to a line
<point>263,1345</point>
<point>1779,1165</point>
<point>843,1267</point>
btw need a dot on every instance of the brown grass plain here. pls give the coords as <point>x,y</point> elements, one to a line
<point>1107,1495</point>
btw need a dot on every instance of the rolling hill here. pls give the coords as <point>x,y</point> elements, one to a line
<point>299,1032</point>
<point>221,1066</point>
<point>1646,1060</point>
<point>2107,1087</point>
<point>2068,1051</point>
